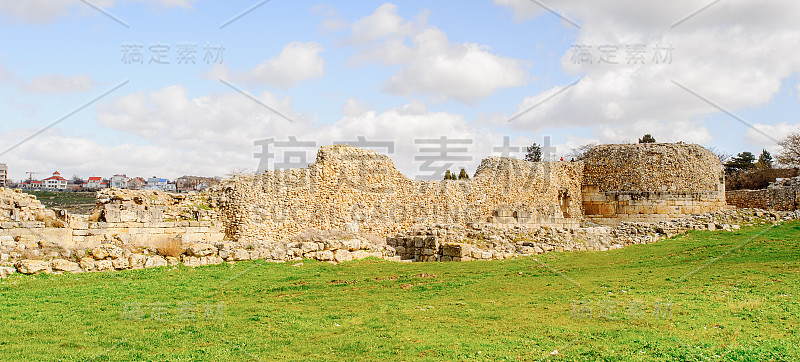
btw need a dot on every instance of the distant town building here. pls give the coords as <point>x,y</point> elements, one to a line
<point>93,183</point>
<point>3,175</point>
<point>195,183</point>
<point>136,183</point>
<point>32,185</point>
<point>155,183</point>
<point>119,181</point>
<point>55,182</point>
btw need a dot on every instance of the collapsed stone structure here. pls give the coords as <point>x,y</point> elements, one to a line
<point>361,190</point>
<point>651,182</point>
<point>782,195</point>
<point>353,203</point>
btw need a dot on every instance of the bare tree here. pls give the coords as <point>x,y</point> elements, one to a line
<point>790,150</point>
<point>722,155</point>
<point>579,153</point>
<point>239,171</point>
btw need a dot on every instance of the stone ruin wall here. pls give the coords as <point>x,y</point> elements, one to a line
<point>651,182</point>
<point>134,219</point>
<point>353,203</point>
<point>780,195</point>
<point>353,189</point>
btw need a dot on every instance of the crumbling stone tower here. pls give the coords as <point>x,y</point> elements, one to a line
<point>650,182</point>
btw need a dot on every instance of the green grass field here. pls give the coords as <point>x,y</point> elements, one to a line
<point>74,202</point>
<point>705,296</point>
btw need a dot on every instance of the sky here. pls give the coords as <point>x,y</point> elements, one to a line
<point>174,87</point>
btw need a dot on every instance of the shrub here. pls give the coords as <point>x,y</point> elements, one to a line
<point>756,179</point>
<point>49,221</point>
<point>172,247</point>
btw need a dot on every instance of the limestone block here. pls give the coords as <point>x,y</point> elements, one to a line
<point>309,246</point>
<point>351,244</point>
<point>32,266</point>
<point>121,263</point>
<point>325,255</point>
<point>239,255</point>
<point>65,265</point>
<point>342,256</point>
<point>201,249</point>
<point>87,263</point>
<point>5,271</point>
<point>155,261</point>
<point>212,260</point>
<point>104,265</point>
<point>137,261</point>
<point>193,261</point>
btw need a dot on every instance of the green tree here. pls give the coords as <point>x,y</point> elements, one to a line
<point>448,175</point>
<point>764,160</point>
<point>647,139</point>
<point>534,153</point>
<point>463,175</point>
<point>743,161</point>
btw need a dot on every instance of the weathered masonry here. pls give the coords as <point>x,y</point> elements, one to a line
<point>348,188</point>
<point>352,189</point>
<point>782,195</point>
<point>651,182</point>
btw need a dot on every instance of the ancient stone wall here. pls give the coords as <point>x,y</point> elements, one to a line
<point>486,242</point>
<point>134,219</point>
<point>650,182</point>
<point>21,208</point>
<point>360,190</point>
<point>781,195</point>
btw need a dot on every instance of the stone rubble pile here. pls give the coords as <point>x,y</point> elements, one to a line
<point>485,242</point>
<point>18,209</point>
<point>119,205</point>
<point>119,256</point>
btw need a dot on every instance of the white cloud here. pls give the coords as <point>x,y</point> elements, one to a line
<point>59,83</point>
<point>384,22</point>
<point>331,25</point>
<point>431,65</point>
<point>168,133</point>
<point>664,131</point>
<point>332,21</point>
<point>46,11</point>
<point>755,135</point>
<point>734,54</point>
<point>296,62</point>
<point>353,107</point>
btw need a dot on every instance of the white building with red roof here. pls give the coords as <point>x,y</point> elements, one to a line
<point>94,183</point>
<point>55,182</point>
